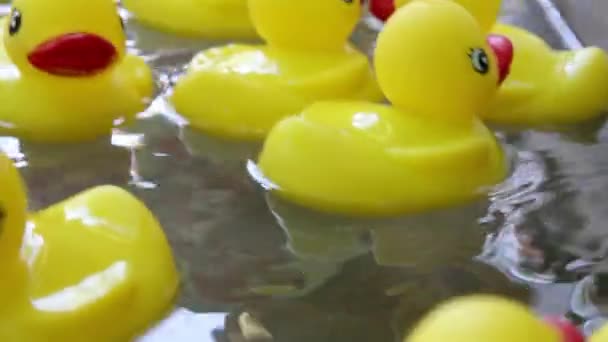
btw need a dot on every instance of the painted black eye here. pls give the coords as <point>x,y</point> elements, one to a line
<point>15,24</point>
<point>348,1</point>
<point>480,60</point>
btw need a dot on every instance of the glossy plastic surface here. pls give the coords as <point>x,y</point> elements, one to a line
<point>240,92</point>
<point>215,19</point>
<point>429,150</point>
<point>483,318</point>
<point>485,11</point>
<point>548,87</point>
<point>65,95</point>
<point>94,267</point>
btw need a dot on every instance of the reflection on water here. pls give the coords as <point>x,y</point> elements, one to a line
<point>257,268</point>
<point>179,327</point>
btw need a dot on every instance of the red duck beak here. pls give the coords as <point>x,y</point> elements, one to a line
<point>382,9</point>
<point>503,49</point>
<point>569,332</point>
<point>74,54</point>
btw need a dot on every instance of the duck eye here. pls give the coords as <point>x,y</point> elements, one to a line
<point>348,1</point>
<point>480,61</point>
<point>15,23</point>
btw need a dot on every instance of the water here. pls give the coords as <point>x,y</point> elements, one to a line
<point>256,268</point>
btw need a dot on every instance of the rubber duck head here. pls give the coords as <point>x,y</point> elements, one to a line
<point>489,318</point>
<point>451,70</point>
<point>486,12</point>
<point>305,24</point>
<point>64,38</point>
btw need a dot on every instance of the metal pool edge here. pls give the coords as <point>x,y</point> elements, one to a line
<point>557,21</point>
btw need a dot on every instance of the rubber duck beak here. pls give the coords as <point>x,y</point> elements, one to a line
<point>382,9</point>
<point>74,54</point>
<point>570,333</point>
<point>503,49</point>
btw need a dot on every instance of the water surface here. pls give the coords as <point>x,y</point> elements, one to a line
<point>257,268</point>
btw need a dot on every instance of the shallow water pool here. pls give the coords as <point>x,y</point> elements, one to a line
<point>256,268</point>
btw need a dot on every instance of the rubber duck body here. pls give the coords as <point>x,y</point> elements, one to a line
<point>212,19</point>
<point>95,267</point>
<point>240,92</point>
<point>64,74</point>
<point>489,318</point>
<point>548,87</point>
<point>426,151</point>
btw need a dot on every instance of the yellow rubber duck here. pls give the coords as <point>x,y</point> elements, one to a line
<point>213,19</point>
<point>429,150</point>
<point>95,267</point>
<point>64,73</point>
<point>489,318</point>
<point>547,87</point>
<point>241,91</point>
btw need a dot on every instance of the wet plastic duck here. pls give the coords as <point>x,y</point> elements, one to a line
<point>545,87</point>
<point>95,267</point>
<point>213,19</point>
<point>489,318</point>
<point>427,151</point>
<point>485,12</point>
<point>548,87</point>
<point>64,73</point>
<point>240,91</point>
